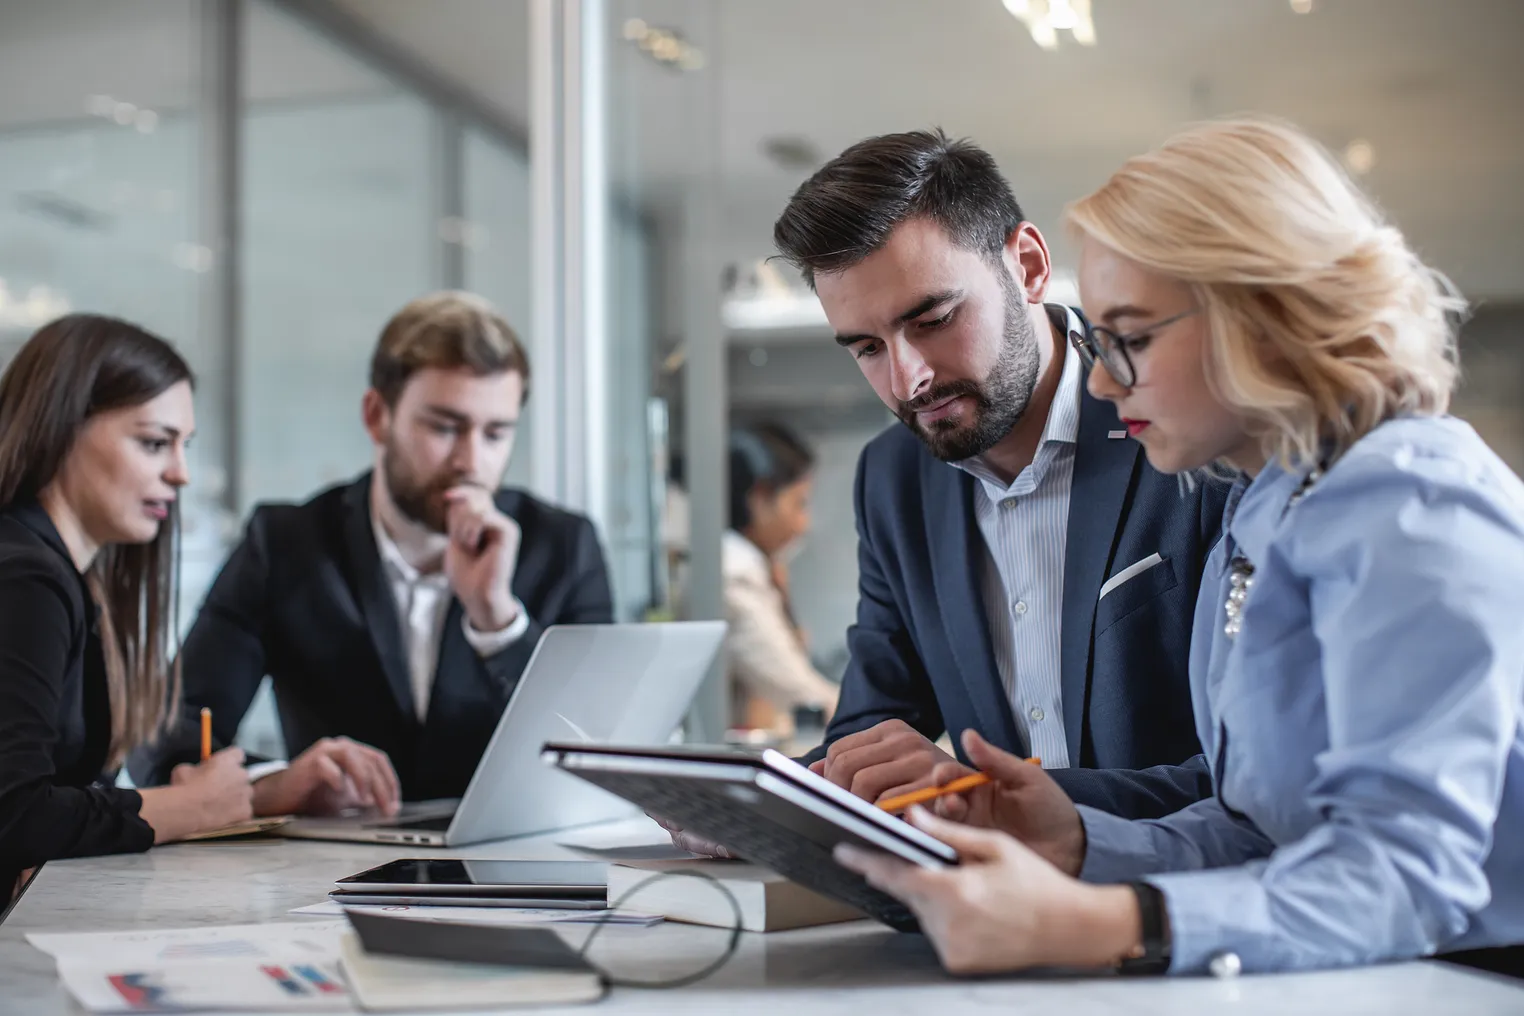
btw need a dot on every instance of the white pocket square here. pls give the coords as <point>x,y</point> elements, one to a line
<point>1129,573</point>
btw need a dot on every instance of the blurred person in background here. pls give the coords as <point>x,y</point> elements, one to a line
<point>771,474</point>
<point>95,414</point>
<point>395,613</point>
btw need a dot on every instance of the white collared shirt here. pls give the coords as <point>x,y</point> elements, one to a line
<point>423,601</point>
<point>1025,525</point>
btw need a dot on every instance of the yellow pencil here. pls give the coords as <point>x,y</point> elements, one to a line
<point>206,733</point>
<point>902,801</point>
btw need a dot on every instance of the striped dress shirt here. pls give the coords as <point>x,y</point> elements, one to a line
<point>1025,525</point>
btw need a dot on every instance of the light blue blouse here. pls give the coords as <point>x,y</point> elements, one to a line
<point>1366,726</point>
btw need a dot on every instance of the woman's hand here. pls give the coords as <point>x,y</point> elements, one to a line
<point>332,776</point>
<point>1003,907</point>
<point>200,797</point>
<point>1022,800</point>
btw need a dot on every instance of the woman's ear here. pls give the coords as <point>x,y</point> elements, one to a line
<point>759,502</point>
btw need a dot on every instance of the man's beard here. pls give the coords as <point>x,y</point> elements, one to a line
<point>999,400</point>
<point>419,500</point>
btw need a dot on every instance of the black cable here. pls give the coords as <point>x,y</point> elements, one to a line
<point>687,979</point>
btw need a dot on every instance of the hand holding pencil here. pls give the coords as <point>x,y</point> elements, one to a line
<point>1008,793</point>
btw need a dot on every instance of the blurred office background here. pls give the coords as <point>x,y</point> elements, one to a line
<point>266,181</point>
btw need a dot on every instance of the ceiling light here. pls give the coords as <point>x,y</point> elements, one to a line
<point>40,305</point>
<point>193,257</point>
<point>1359,157</point>
<point>1046,18</point>
<point>761,298</point>
<point>126,114</point>
<point>666,46</point>
<point>1061,15</point>
<point>1302,6</point>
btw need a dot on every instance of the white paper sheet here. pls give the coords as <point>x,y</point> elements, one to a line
<point>490,915</point>
<point>291,940</point>
<point>286,966</point>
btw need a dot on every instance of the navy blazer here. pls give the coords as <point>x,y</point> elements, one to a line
<point>304,599</point>
<point>921,649</point>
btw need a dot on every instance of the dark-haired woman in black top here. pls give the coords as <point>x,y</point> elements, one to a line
<point>94,417</point>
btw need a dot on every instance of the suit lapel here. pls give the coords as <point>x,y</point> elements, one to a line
<point>1103,469</point>
<point>957,563</point>
<point>375,598</point>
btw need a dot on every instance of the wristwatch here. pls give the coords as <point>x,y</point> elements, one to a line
<point>1153,955</point>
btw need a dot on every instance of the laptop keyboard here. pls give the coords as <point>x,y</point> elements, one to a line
<point>708,810</point>
<point>437,823</point>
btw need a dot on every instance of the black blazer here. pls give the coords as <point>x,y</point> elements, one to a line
<point>305,600</point>
<point>55,714</point>
<point>921,647</point>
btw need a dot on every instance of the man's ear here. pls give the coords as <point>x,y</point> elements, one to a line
<point>376,415</point>
<point>1026,258</point>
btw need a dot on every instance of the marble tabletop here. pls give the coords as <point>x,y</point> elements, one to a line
<point>847,969</point>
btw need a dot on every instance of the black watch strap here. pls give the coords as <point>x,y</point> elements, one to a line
<point>1154,958</point>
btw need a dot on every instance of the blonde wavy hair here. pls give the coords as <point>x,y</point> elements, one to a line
<point>1322,321</point>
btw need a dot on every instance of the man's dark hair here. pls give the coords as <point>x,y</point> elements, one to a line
<point>847,210</point>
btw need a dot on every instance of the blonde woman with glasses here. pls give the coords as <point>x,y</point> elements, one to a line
<point>1357,665</point>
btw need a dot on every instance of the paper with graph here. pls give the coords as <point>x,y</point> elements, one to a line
<point>284,967</point>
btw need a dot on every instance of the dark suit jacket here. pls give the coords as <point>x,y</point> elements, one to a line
<point>305,600</point>
<point>55,711</point>
<point>921,648</point>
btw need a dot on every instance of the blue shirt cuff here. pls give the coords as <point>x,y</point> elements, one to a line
<point>1224,910</point>
<point>1116,849</point>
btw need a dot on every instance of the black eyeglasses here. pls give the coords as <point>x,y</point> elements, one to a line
<point>1110,348</point>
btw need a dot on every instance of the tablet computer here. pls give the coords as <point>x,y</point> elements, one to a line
<point>468,877</point>
<point>763,806</point>
<point>346,898</point>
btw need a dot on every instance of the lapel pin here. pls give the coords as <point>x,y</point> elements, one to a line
<point>1114,434</point>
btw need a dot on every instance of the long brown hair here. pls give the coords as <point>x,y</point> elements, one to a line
<point>70,370</point>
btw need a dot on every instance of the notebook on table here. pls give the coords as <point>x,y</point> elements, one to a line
<point>395,963</point>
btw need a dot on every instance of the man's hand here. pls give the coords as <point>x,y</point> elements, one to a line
<point>480,557</point>
<point>333,776</point>
<point>883,761</point>
<point>694,844</point>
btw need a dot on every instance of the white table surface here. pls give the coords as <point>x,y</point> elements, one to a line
<point>847,969</point>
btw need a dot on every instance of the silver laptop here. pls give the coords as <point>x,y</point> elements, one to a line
<point>593,684</point>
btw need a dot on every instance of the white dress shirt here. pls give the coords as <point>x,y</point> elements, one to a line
<point>1025,525</point>
<point>423,600</point>
<point>761,649</point>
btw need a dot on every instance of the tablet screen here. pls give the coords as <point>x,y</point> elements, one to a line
<point>459,874</point>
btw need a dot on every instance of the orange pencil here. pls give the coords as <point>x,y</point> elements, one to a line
<point>903,801</point>
<point>206,733</point>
